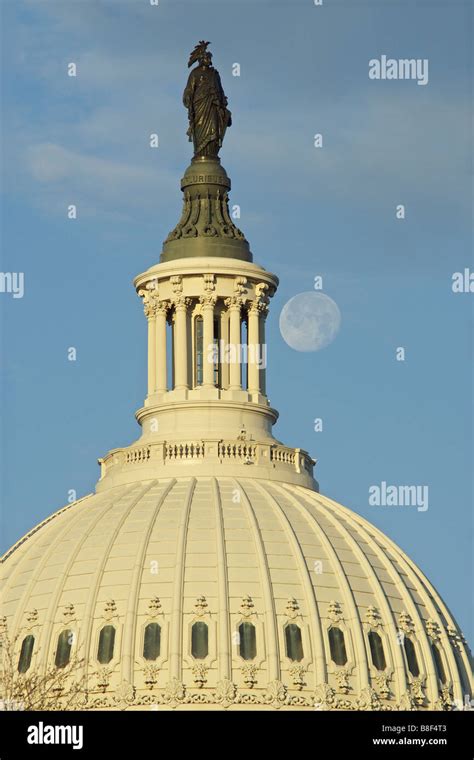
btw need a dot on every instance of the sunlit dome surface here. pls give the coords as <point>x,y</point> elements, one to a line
<point>265,594</point>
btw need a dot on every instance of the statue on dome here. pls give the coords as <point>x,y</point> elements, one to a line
<point>206,102</point>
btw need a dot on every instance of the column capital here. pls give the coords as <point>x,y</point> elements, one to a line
<point>234,302</point>
<point>150,302</point>
<point>162,307</point>
<point>208,301</point>
<point>257,307</point>
<point>181,303</point>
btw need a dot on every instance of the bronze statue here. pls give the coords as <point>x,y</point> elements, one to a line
<point>206,103</point>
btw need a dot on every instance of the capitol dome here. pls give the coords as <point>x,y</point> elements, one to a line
<point>207,571</point>
<point>233,591</point>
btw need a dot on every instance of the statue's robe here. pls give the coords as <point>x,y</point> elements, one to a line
<point>208,115</point>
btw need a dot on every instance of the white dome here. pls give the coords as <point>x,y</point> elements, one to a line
<point>226,551</point>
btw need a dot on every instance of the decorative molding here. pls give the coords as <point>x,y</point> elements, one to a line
<point>110,610</point>
<point>31,617</point>
<point>103,675</point>
<point>445,701</point>
<point>240,286</point>
<point>342,677</point>
<point>456,637</point>
<point>247,607</point>
<point>226,694</point>
<point>335,612</point>
<point>206,215</point>
<point>200,674</point>
<point>209,282</point>
<point>69,613</point>
<point>405,623</point>
<point>124,694</point>
<point>249,673</point>
<point>292,609</point>
<point>150,675</point>
<point>181,302</point>
<point>433,630</point>
<point>372,617</point>
<point>368,700</point>
<point>208,300</point>
<point>297,673</point>
<point>382,682</point>
<point>201,607</point>
<point>154,607</point>
<point>417,690</point>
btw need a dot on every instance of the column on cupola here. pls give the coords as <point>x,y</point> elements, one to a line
<point>234,304</point>
<point>149,307</point>
<point>160,343</point>
<point>263,351</point>
<point>208,302</point>
<point>253,333</point>
<point>181,305</point>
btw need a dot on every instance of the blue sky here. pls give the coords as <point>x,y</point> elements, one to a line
<point>305,211</point>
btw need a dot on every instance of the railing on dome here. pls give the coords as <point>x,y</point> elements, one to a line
<point>237,450</point>
<point>220,452</point>
<point>178,451</point>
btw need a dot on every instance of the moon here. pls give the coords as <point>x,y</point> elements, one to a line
<point>309,321</point>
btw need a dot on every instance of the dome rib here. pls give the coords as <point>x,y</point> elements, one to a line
<point>40,525</point>
<point>273,653</point>
<point>380,597</point>
<point>224,636</point>
<point>130,622</point>
<point>410,604</point>
<point>45,557</point>
<point>46,633</point>
<point>176,633</point>
<point>319,667</point>
<point>416,577</point>
<point>360,658</point>
<point>432,594</point>
<point>88,619</point>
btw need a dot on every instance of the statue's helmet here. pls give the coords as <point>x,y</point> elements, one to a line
<point>200,53</point>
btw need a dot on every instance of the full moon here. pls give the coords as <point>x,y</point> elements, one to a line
<point>309,321</point>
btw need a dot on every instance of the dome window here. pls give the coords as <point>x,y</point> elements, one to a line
<point>337,646</point>
<point>199,640</point>
<point>26,653</point>
<point>376,651</point>
<point>293,642</point>
<point>439,663</point>
<point>247,641</point>
<point>152,641</point>
<point>105,650</point>
<point>63,651</point>
<point>411,657</point>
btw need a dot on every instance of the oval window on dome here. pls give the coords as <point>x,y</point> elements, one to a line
<point>293,642</point>
<point>247,641</point>
<point>199,640</point>
<point>105,651</point>
<point>63,651</point>
<point>152,641</point>
<point>376,651</point>
<point>26,653</point>
<point>439,663</point>
<point>410,653</point>
<point>337,646</point>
